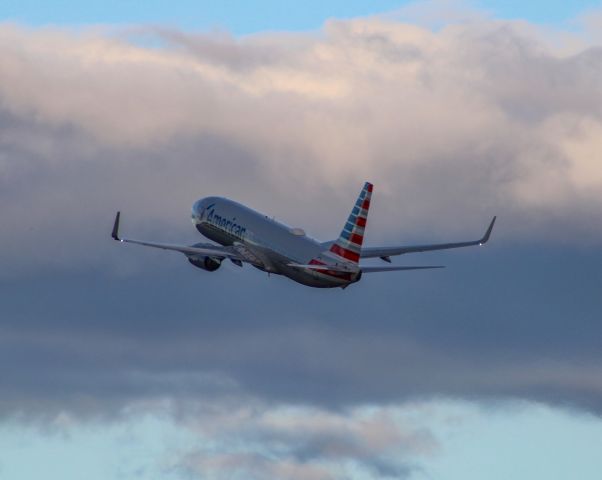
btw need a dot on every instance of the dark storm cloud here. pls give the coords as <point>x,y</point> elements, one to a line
<point>452,127</point>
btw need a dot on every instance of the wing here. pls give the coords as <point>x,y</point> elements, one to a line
<point>209,250</point>
<point>386,252</point>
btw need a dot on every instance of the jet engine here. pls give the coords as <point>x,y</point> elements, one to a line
<point>206,263</point>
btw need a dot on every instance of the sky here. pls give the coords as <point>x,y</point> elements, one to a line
<point>242,17</point>
<point>120,362</point>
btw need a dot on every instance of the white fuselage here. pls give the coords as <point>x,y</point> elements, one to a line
<point>271,245</point>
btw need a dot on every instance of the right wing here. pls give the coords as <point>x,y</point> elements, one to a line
<point>208,250</point>
<point>386,252</point>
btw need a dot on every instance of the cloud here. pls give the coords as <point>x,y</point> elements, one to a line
<point>454,125</point>
<point>485,113</point>
<point>262,441</point>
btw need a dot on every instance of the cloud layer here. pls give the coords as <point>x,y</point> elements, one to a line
<point>452,126</point>
<point>259,441</point>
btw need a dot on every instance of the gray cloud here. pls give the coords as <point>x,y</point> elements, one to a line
<point>452,127</point>
<point>487,327</point>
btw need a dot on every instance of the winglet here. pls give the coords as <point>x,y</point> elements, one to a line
<point>485,238</point>
<point>115,233</point>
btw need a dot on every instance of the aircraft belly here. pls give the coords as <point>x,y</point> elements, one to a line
<point>313,278</point>
<point>215,234</point>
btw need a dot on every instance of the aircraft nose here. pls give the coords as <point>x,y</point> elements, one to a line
<point>197,210</point>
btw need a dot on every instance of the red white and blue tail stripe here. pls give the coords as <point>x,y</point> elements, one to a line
<point>349,244</point>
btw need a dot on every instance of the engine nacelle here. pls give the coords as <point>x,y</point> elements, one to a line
<point>206,263</point>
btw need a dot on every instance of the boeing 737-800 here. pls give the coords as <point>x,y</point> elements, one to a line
<point>246,236</point>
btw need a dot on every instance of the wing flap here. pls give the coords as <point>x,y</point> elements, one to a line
<point>209,251</point>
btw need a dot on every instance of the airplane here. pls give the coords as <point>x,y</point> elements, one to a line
<point>247,236</point>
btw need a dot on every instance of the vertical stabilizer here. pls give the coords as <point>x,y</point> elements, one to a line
<point>349,244</point>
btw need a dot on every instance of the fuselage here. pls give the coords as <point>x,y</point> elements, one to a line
<point>273,245</point>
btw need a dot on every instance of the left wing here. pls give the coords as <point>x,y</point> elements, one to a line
<point>386,252</point>
<point>211,251</point>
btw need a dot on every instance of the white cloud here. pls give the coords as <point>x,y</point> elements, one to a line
<point>478,118</point>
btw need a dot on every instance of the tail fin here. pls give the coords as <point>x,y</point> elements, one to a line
<point>349,244</point>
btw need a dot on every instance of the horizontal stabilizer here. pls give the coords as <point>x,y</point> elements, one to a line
<point>393,268</point>
<point>363,268</point>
